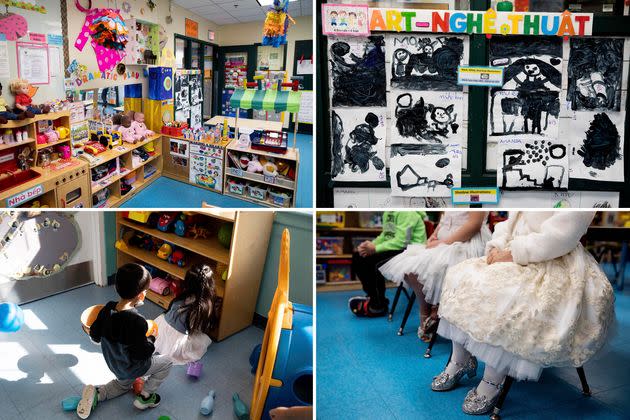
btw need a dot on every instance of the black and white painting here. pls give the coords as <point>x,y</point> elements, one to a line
<point>358,144</point>
<point>530,63</point>
<point>357,71</point>
<point>513,112</point>
<point>595,73</point>
<point>426,62</point>
<point>596,145</point>
<point>425,170</point>
<point>526,163</point>
<point>425,117</point>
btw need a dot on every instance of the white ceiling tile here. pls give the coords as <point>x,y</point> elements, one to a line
<point>204,10</point>
<point>188,4</point>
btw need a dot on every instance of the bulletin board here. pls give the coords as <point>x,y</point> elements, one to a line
<point>42,27</point>
<point>475,136</point>
<point>304,66</point>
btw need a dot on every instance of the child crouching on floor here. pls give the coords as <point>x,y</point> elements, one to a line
<point>183,328</point>
<point>128,352</point>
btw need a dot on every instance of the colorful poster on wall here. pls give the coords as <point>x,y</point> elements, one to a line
<point>192,28</point>
<point>345,19</point>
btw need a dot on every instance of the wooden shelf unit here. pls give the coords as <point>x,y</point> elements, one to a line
<point>245,260</point>
<point>350,230</point>
<point>280,183</point>
<point>125,165</point>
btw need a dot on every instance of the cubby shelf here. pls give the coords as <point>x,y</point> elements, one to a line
<point>243,262</point>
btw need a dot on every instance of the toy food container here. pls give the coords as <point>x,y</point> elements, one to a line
<point>236,187</point>
<point>280,199</point>
<point>329,245</point>
<point>259,193</point>
<point>90,314</point>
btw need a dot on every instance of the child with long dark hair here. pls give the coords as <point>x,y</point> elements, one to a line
<point>183,328</point>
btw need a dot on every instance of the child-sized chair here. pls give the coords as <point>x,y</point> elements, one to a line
<point>586,391</point>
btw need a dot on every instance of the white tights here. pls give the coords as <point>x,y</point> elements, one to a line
<point>460,356</point>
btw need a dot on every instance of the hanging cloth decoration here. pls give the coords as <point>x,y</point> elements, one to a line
<point>277,24</point>
<point>107,32</point>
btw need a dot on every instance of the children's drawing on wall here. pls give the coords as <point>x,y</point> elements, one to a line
<point>425,117</point>
<point>530,63</point>
<point>426,62</point>
<point>532,164</point>
<point>521,112</point>
<point>596,148</point>
<point>425,170</point>
<point>595,71</point>
<point>345,19</point>
<point>358,145</point>
<point>357,70</point>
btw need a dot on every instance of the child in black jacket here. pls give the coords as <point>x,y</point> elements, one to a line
<point>128,352</point>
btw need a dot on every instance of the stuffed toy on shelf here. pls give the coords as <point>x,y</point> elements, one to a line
<point>23,102</point>
<point>122,124</point>
<point>141,131</point>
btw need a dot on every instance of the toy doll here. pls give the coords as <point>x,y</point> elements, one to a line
<point>122,123</point>
<point>5,113</point>
<point>23,102</point>
<point>141,131</point>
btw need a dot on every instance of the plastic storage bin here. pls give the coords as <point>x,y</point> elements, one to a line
<point>329,245</point>
<point>259,193</point>
<point>236,187</point>
<point>280,199</point>
<point>339,270</point>
<point>331,218</point>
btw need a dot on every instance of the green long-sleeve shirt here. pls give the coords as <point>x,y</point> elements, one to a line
<point>401,228</point>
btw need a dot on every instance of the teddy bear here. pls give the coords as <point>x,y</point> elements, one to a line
<point>141,131</point>
<point>23,101</point>
<point>122,124</point>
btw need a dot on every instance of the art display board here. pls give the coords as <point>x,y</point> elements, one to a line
<point>188,93</point>
<point>550,82</point>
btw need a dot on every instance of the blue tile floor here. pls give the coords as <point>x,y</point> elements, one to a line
<point>365,371</point>
<point>168,193</point>
<point>51,358</point>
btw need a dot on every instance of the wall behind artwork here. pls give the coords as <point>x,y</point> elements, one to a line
<point>49,23</point>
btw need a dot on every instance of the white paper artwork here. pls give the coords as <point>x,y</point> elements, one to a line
<point>596,145</point>
<point>425,117</point>
<point>425,170</point>
<point>532,163</point>
<point>358,144</point>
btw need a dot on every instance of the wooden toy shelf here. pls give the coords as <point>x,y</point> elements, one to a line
<point>123,154</point>
<point>244,261</point>
<point>351,229</point>
<point>279,182</point>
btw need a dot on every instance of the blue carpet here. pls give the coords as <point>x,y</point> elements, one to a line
<point>51,358</point>
<point>366,371</point>
<point>168,193</point>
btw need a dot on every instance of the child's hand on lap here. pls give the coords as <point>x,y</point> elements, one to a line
<point>496,256</point>
<point>366,249</point>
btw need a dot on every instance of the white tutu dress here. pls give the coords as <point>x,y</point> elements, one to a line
<point>431,264</point>
<point>552,306</point>
<point>174,341</point>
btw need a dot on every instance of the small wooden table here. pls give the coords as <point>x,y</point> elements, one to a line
<point>246,123</point>
<point>616,234</point>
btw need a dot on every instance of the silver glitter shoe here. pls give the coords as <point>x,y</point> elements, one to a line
<point>476,404</point>
<point>446,382</point>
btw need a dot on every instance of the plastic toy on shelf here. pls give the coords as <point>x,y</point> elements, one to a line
<point>178,258</point>
<point>207,404</point>
<point>166,221</point>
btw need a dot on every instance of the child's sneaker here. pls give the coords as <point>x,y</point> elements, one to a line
<point>89,399</point>
<point>142,403</point>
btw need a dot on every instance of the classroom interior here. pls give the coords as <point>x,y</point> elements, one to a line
<point>57,265</point>
<point>184,103</point>
<point>386,360</point>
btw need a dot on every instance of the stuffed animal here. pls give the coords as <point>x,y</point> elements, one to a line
<point>122,124</point>
<point>254,165</point>
<point>140,129</point>
<point>23,102</point>
<point>51,136</point>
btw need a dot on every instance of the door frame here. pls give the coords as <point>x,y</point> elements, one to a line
<point>251,70</point>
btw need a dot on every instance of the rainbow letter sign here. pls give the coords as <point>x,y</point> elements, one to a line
<point>476,22</point>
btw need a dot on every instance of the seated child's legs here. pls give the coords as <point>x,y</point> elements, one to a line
<point>34,110</point>
<point>8,115</point>
<point>114,388</point>
<point>157,373</point>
